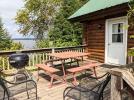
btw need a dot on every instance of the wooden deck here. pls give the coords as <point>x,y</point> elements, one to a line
<point>46,93</point>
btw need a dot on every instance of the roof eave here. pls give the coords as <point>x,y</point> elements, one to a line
<point>79,18</point>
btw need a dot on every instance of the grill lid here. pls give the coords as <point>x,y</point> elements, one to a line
<point>19,60</point>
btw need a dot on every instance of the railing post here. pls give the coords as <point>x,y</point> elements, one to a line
<point>116,84</point>
<point>130,59</point>
<point>53,50</point>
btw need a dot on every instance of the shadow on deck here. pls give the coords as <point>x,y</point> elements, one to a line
<point>54,93</point>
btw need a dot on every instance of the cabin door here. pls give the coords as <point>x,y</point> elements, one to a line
<point>116,41</point>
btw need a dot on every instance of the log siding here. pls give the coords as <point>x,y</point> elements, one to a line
<point>94,37</point>
<point>130,41</point>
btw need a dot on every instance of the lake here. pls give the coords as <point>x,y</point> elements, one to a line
<point>28,43</point>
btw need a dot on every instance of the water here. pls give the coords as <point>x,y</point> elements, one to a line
<point>27,43</point>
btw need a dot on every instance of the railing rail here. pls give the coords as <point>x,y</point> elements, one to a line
<point>122,84</point>
<point>35,55</point>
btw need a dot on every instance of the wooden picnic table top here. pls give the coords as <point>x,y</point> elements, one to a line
<point>68,54</point>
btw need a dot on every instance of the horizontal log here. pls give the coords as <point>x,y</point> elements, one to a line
<point>95,31</point>
<point>97,57</point>
<point>96,34</point>
<point>96,41</point>
<point>96,37</point>
<point>97,50</point>
<point>100,60</point>
<point>131,41</point>
<point>96,54</point>
<point>130,45</point>
<point>96,45</point>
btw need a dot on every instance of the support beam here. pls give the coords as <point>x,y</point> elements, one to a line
<point>116,86</point>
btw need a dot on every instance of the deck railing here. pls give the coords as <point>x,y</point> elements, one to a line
<point>35,55</point>
<point>131,55</point>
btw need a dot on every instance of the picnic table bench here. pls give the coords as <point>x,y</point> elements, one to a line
<point>76,70</point>
<point>49,71</point>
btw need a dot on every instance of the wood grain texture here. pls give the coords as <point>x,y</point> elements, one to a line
<point>115,87</point>
<point>94,37</point>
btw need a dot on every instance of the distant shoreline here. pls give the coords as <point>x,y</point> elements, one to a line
<point>28,43</point>
<point>24,38</point>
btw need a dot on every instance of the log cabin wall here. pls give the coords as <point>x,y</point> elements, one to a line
<point>130,41</point>
<point>94,37</point>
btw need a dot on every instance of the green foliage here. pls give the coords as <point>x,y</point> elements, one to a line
<point>5,41</point>
<point>131,36</point>
<point>16,46</point>
<point>131,52</point>
<point>6,44</point>
<point>63,32</point>
<point>43,43</point>
<point>130,15</point>
<point>36,17</point>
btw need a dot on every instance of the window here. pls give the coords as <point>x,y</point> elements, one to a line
<point>117,33</point>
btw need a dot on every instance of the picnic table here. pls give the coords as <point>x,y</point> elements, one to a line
<point>62,57</point>
<point>67,55</point>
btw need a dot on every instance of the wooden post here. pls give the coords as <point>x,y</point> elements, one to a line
<point>53,50</point>
<point>116,86</point>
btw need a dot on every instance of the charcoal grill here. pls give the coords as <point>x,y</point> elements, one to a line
<point>22,76</point>
<point>19,60</point>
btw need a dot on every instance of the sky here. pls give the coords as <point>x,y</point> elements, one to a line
<point>8,9</point>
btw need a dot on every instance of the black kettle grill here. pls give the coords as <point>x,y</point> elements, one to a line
<point>18,60</point>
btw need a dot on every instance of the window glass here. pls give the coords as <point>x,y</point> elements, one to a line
<point>117,38</point>
<point>117,33</point>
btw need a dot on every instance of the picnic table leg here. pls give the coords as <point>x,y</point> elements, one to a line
<point>77,62</point>
<point>51,82</point>
<point>71,62</point>
<point>74,79</point>
<point>94,69</point>
<point>38,74</point>
<point>64,73</point>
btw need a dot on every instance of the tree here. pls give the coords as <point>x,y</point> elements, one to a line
<point>36,17</point>
<point>63,32</point>
<point>131,16</point>
<point>44,43</point>
<point>16,46</point>
<point>5,41</point>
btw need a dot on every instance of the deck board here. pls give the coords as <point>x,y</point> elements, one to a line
<point>46,93</point>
